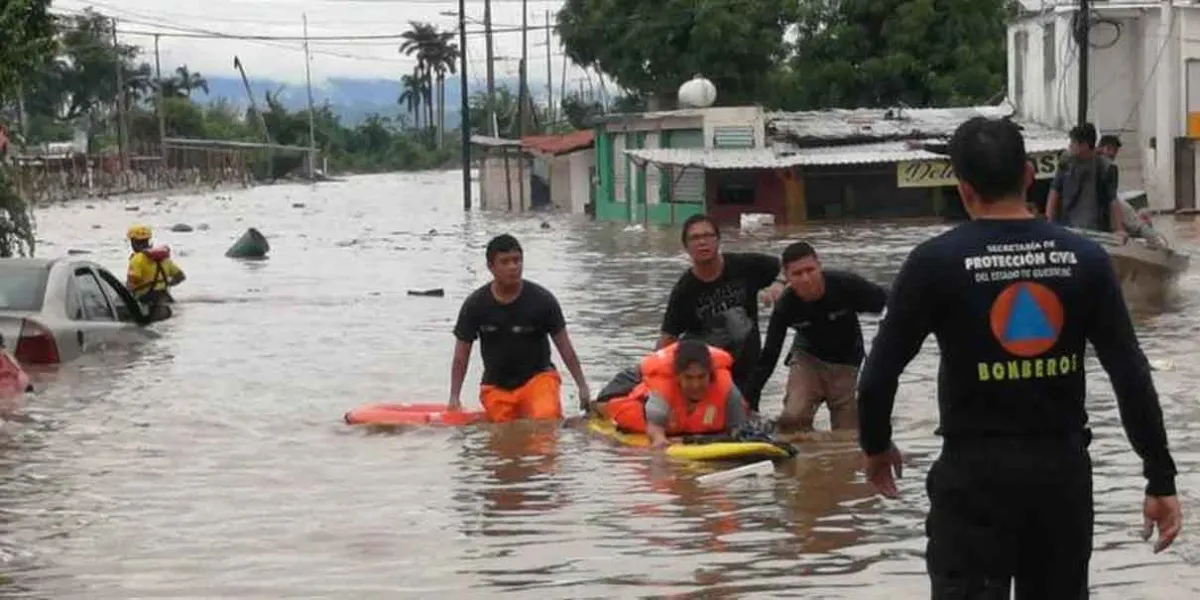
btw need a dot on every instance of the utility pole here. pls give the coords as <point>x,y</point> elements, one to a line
<point>521,97</point>
<point>312,135</point>
<point>491,67</point>
<point>158,107</point>
<point>122,134</point>
<point>1082,28</point>
<point>549,75</point>
<point>464,118</point>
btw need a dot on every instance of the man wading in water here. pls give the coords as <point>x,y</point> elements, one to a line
<point>717,298</point>
<point>1084,192</point>
<point>823,307</point>
<point>514,319</point>
<point>1012,301</point>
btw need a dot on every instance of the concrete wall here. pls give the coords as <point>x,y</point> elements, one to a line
<point>580,165</point>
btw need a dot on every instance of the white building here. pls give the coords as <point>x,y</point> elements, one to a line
<point>1144,81</point>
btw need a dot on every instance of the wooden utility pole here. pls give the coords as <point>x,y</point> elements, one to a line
<point>464,117</point>
<point>549,75</point>
<point>122,133</point>
<point>312,129</point>
<point>491,67</point>
<point>158,107</point>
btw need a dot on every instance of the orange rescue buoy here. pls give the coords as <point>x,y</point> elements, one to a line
<point>411,414</point>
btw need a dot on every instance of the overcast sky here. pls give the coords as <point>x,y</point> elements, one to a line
<point>284,60</point>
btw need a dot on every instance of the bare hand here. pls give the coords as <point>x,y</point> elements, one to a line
<point>585,398</point>
<point>454,405</point>
<point>659,443</point>
<point>770,295</point>
<point>1164,513</point>
<point>880,469</point>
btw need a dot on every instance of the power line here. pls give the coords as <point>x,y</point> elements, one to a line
<point>291,38</point>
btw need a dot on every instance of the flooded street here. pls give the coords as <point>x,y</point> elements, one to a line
<point>212,462</point>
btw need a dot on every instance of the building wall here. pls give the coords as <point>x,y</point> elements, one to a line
<point>581,166</point>
<point>626,191</point>
<point>768,195</point>
<point>492,182</point>
<point>1124,96</point>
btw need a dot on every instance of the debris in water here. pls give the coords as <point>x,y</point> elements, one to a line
<point>1162,364</point>
<point>433,293</point>
<point>297,205</point>
<point>181,228</point>
<point>75,251</point>
<point>133,208</point>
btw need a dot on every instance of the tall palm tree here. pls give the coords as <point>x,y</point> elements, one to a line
<point>412,95</point>
<point>419,42</point>
<point>443,56</point>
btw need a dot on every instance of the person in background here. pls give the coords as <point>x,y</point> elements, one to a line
<point>151,273</point>
<point>822,306</point>
<point>1085,190</point>
<point>717,298</point>
<point>514,319</point>
<point>1109,146</point>
<point>1013,302</point>
<point>686,389</point>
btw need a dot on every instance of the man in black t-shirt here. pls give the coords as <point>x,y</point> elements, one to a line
<point>717,298</point>
<point>823,307</point>
<point>513,319</point>
<point>1013,302</point>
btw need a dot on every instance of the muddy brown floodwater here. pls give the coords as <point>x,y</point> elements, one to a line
<point>212,462</point>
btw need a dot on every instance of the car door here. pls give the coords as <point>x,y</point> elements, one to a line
<point>129,313</point>
<point>96,320</point>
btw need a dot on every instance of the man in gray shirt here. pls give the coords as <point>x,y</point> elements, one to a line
<point>1084,192</point>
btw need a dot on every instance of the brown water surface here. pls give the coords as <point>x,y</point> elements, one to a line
<point>213,463</point>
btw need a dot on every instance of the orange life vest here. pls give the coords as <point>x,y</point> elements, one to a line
<point>658,376</point>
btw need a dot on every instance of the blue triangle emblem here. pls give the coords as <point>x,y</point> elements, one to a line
<point>1026,321</point>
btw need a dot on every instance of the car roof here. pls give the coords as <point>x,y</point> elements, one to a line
<point>29,263</point>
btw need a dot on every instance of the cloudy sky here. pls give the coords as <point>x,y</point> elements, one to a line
<point>284,60</point>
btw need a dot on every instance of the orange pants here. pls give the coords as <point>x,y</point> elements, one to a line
<point>537,398</point>
<point>628,412</point>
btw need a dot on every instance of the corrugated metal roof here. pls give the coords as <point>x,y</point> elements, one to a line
<point>877,124</point>
<point>779,158</point>
<point>494,142</point>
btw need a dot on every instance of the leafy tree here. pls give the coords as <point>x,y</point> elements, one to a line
<point>860,53</point>
<point>652,48</point>
<point>27,31</point>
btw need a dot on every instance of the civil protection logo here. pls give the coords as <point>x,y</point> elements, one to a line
<point>1026,318</point>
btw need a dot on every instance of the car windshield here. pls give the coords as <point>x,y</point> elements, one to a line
<point>22,287</point>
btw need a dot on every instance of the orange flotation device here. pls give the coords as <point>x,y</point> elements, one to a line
<point>658,376</point>
<point>159,253</point>
<point>13,379</point>
<point>411,414</point>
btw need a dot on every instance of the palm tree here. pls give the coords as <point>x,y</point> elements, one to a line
<point>418,41</point>
<point>412,95</point>
<point>444,57</point>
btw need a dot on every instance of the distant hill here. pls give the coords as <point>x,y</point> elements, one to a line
<point>352,99</point>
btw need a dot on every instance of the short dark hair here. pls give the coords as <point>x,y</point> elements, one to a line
<point>692,352</point>
<point>1084,134</point>
<point>501,244</point>
<point>797,251</point>
<point>989,155</point>
<point>696,219</point>
<point>1110,140</point>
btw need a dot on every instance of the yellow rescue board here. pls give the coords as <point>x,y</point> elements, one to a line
<point>710,451</point>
